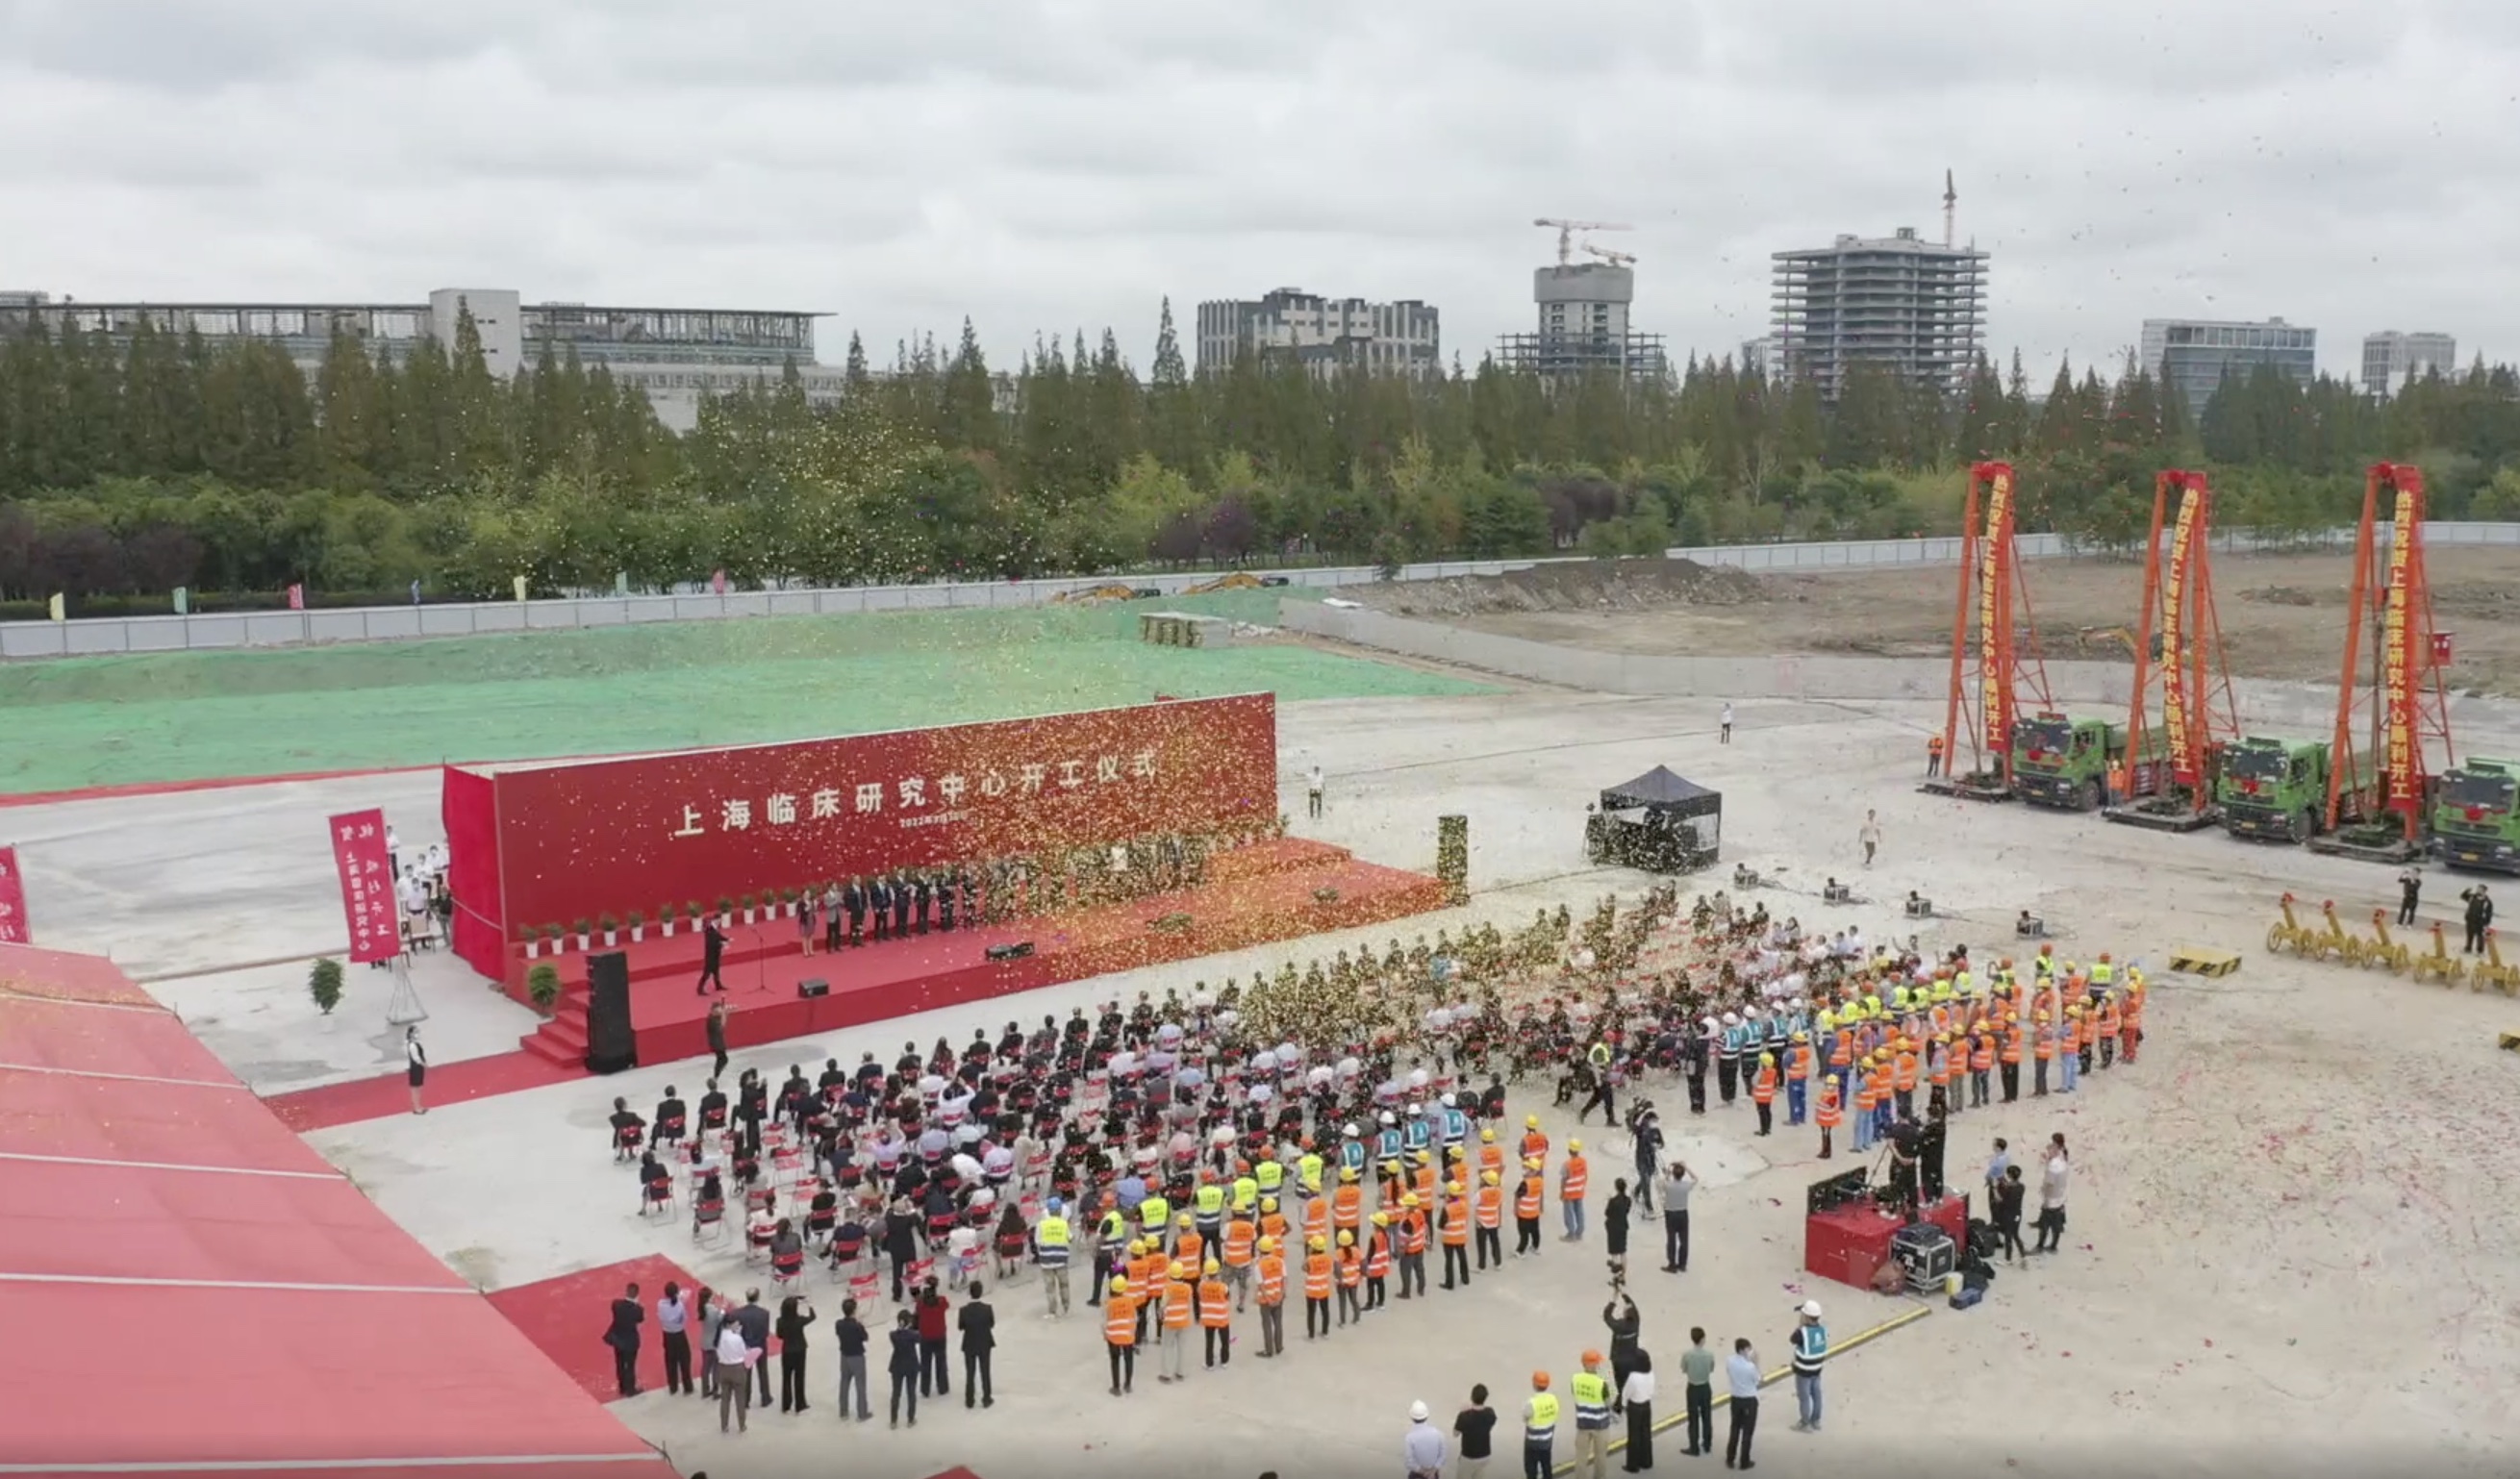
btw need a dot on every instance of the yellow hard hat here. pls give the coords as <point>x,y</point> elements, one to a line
<point>1268,1204</point>
<point>1182,1221</point>
<point>1410,1199</point>
<point>1531,1163</point>
<point>1382,1219</point>
<point>1487,1137</point>
<point>1318,1244</point>
<point>1531,1122</point>
<point>1768,1059</point>
<point>1137,1245</point>
<point>1574,1146</point>
<point>1348,1175</point>
<point>1488,1178</point>
<point>1452,1186</point>
<point>1268,1245</point>
<point>1119,1287</point>
<point>1211,1268</point>
<point>1347,1240</point>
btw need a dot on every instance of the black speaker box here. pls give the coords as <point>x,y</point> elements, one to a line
<point>611,1044</point>
<point>1014,951</point>
<point>814,988</point>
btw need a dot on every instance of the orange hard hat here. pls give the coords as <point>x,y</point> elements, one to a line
<point>1592,1358</point>
<point>1540,1381</point>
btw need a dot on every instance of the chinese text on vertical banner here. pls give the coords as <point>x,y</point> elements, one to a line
<point>367,886</point>
<point>12,901</point>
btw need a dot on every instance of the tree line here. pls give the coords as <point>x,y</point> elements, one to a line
<point>130,468</point>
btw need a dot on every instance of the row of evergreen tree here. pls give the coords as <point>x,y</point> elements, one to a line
<point>133,467</point>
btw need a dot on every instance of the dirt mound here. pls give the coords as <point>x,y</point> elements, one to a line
<point>1574,585</point>
<point>2293,596</point>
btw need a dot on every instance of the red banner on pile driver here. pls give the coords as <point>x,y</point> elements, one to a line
<point>367,886</point>
<point>12,901</point>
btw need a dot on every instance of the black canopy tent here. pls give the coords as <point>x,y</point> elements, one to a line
<point>1658,820</point>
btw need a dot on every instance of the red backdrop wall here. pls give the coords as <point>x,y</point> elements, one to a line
<point>608,836</point>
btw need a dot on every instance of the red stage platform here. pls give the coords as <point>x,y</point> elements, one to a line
<point>566,1319</point>
<point>1254,896</point>
<point>1849,1242</point>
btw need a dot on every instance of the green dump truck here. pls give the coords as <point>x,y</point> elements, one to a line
<point>2476,815</point>
<point>2064,762</point>
<point>2276,789</point>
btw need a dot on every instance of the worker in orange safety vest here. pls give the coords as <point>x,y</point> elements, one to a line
<point>1574,1179</point>
<point>1270,1275</point>
<point>1216,1316</point>
<point>1826,1113</point>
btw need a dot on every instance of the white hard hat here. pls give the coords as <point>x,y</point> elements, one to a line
<point>1417,1111</point>
<point>1448,1101</point>
<point>1350,1128</point>
<point>1707,1024</point>
<point>1416,1411</point>
<point>1388,1119</point>
<point>1810,1308</point>
<point>1731,1019</point>
<point>1798,1004</point>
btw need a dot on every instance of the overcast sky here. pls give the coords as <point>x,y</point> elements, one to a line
<point>1039,166</point>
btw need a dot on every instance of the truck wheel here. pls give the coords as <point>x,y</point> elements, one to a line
<point>2090,796</point>
<point>2300,825</point>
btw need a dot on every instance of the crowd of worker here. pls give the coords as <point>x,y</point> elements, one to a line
<point>1191,1170</point>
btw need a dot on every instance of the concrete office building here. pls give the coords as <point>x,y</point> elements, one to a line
<point>1584,327</point>
<point>1322,334</point>
<point>1914,306</point>
<point>2194,354</point>
<point>2391,359</point>
<point>678,356</point>
<point>1764,357</point>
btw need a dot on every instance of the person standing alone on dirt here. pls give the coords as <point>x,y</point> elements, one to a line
<point>1723,735</point>
<point>2411,888</point>
<point>1313,792</point>
<point>1869,835</point>
<point>2480,917</point>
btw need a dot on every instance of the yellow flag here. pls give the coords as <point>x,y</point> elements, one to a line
<point>56,608</point>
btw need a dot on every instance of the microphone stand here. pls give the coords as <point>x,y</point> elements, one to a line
<point>760,961</point>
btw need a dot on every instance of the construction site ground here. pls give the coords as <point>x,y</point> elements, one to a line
<point>2289,1245</point>
<point>2282,615</point>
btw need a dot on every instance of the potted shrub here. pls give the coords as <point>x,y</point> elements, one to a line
<point>665,919</point>
<point>611,931</point>
<point>725,908</point>
<point>542,987</point>
<point>787,903</point>
<point>533,942</point>
<point>584,929</point>
<point>551,939</point>
<point>638,926</point>
<point>745,904</point>
<point>324,984</point>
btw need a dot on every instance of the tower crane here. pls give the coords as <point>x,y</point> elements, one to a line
<point>1566,233</point>
<point>1614,258</point>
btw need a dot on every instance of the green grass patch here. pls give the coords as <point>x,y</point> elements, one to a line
<point>110,721</point>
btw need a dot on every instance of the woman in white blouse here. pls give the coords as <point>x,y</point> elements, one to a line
<point>1638,1396</point>
<point>415,1065</point>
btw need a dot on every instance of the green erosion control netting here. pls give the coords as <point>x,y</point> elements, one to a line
<point>74,722</point>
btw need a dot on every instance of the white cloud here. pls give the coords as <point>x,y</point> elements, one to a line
<point>1041,167</point>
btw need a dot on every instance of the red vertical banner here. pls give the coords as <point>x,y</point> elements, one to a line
<point>297,598</point>
<point>13,930</point>
<point>367,886</point>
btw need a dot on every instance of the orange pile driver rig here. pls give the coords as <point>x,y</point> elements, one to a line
<point>2399,710</point>
<point>1996,668</point>
<point>2178,666</point>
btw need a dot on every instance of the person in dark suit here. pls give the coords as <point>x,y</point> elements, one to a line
<point>2478,918</point>
<point>948,883</point>
<point>880,901</point>
<point>716,1045</point>
<point>923,891</point>
<point>853,899</point>
<point>754,1322</point>
<point>903,1365</point>
<point>980,1327</point>
<point>672,1118</point>
<point>712,956</point>
<point>901,902</point>
<point>623,1338</point>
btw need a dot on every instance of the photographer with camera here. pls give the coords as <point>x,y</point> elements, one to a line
<point>1625,1323</point>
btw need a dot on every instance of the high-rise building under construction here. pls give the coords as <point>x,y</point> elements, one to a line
<point>1911,306</point>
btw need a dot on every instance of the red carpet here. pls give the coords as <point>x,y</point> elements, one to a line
<point>1257,895</point>
<point>296,1328</point>
<point>879,982</point>
<point>566,1319</point>
<point>387,1095</point>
